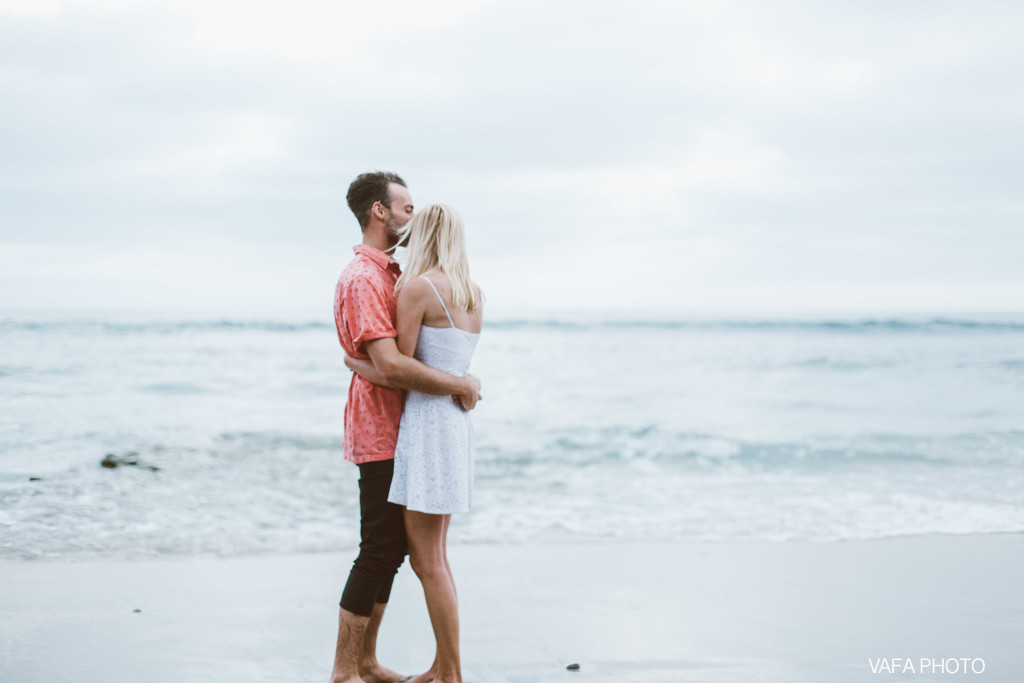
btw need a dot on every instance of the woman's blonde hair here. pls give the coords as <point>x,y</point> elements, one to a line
<point>437,241</point>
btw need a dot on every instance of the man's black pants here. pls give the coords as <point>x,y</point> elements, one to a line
<point>382,545</point>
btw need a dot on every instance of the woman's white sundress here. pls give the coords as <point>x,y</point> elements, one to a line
<point>434,454</point>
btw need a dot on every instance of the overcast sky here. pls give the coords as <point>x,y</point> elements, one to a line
<point>667,157</point>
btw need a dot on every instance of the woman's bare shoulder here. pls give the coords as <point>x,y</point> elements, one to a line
<point>414,293</point>
<point>439,278</point>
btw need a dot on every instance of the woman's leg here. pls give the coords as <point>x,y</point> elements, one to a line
<point>444,549</point>
<point>431,673</point>
<point>427,557</point>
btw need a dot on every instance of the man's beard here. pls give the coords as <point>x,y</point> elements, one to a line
<point>394,231</point>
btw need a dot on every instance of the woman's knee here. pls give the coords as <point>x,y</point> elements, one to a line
<point>427,565</point>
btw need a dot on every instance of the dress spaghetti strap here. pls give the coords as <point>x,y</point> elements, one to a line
<point>439,299</point>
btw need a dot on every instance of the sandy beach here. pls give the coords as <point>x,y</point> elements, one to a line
<point>625,612</point>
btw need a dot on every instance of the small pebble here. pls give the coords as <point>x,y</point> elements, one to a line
<point>573,667</point>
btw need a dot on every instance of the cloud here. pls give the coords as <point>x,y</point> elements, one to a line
<point>743,145</point>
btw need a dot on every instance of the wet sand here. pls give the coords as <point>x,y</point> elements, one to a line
<point>723,612</point>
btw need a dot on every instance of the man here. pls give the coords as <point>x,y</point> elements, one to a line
<point>364,314</point>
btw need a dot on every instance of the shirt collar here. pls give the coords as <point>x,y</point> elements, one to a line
<point>384,261</point>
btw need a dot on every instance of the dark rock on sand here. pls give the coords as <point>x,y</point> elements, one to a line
<point>129,458</point>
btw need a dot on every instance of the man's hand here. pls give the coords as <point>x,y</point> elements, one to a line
<point>467,401</point>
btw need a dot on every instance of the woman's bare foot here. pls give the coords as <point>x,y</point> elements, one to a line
<point>336,679</point>
<point>426,676</point>
<point>376,673</point>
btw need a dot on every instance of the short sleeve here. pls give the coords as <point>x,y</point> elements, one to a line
<point>366,311</point>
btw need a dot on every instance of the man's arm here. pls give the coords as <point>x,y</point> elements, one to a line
<point>408,373</point>
<point>393,359</point>
<point>366,369</point>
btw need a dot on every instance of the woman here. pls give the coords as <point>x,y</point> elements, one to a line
<point>440,314</point>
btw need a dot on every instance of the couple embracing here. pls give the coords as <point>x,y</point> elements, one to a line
<point>408,338</point>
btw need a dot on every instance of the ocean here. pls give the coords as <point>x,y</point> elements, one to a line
<point>591,429</point>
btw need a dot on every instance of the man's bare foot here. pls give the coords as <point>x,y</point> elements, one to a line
<point>380,674</point>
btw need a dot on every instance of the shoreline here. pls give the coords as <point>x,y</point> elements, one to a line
<point>455,542</point>
<point>682,611</point>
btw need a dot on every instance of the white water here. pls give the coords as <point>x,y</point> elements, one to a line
<point>754,430</point>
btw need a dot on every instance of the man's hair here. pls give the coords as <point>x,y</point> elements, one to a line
<point>368,188</point>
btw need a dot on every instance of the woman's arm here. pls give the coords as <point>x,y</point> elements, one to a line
<point>395,365</point>
<point>367,370</point>
<point>410,314</point>
<point>410,308</point>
